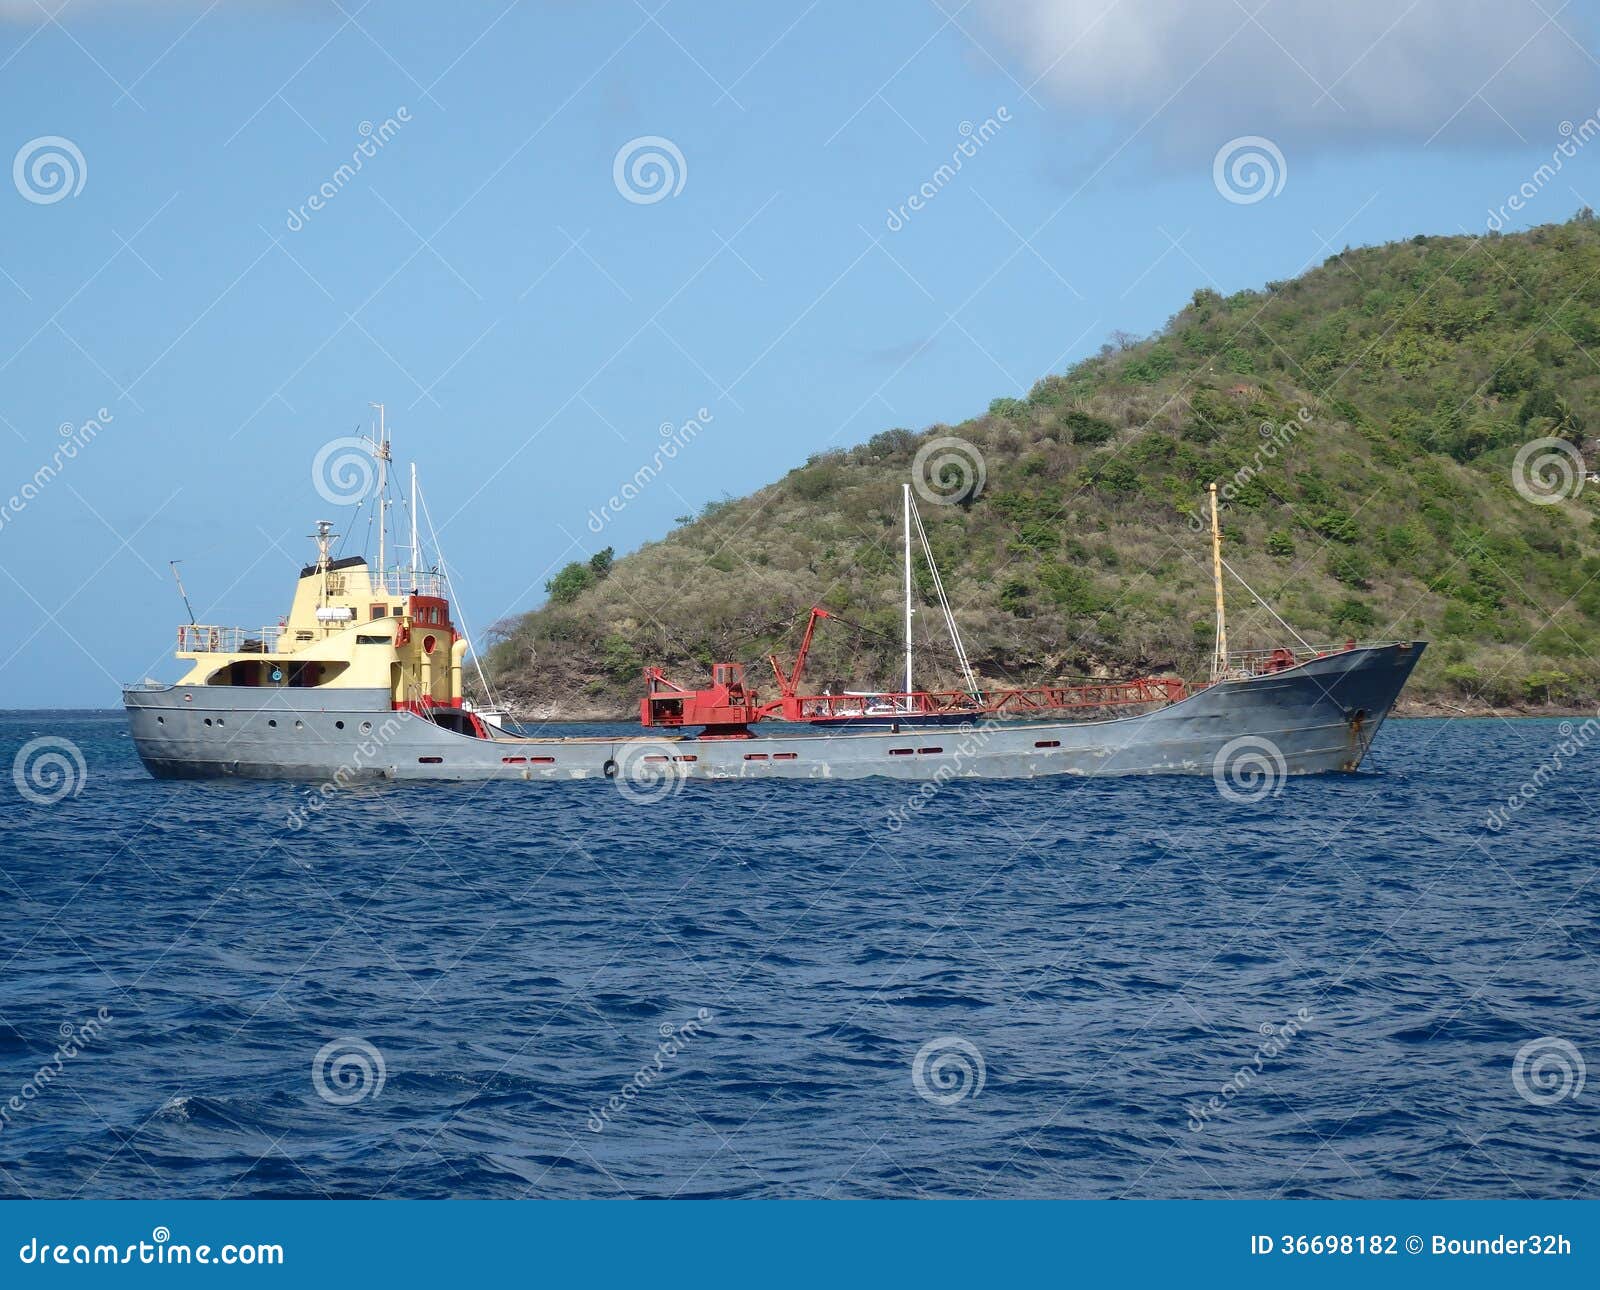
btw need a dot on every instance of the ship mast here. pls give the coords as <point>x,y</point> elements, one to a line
<point>381,452</point>
<point>1219,661</point>
<point>906,500</point>
<point>416,555</point>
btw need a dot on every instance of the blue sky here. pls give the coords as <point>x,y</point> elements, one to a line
<point>531,321</point>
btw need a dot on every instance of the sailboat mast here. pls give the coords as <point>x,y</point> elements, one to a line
<point>905,496</point>
<point>1219,663</point>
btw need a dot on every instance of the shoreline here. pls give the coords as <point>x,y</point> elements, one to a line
<point>1413,708</point>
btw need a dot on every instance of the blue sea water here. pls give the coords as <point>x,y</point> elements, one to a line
<point>1351,988</point>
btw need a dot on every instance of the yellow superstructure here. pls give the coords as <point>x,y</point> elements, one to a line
<point>348,627</point>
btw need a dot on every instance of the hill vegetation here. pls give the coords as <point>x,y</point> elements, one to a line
<point>1363,422</point>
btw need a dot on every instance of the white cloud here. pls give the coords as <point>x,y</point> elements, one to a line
<point>1308,72</point>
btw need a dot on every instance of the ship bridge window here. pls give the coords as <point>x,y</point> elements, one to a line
<point>252,672</point>
<point>241,673</point>
<point>380,611</point>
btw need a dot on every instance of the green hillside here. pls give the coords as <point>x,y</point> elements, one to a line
<point>1363,421</point>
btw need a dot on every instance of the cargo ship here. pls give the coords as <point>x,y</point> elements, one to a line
<point>363,680</point>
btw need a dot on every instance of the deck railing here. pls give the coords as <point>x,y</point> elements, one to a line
<point>407,582</point>
<point>1253,662</point>
<point>194,638</point>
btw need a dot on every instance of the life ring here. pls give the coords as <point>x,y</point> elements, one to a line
<point>609,770</point>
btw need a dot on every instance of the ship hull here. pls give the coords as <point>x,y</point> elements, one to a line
<point>1320,716</point>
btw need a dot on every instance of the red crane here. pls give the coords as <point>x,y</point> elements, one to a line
<point>787,685</point>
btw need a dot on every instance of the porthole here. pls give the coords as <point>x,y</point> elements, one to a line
<point>299,725</point>
<point>271,722</point>
<point>161,721</point>
<point>366,727</point>
<point>338,725</point>
<point>208,721</point>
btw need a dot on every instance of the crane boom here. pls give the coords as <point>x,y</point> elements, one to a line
<point>787,684</point>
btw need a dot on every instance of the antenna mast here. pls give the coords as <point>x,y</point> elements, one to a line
<point>181,591</point>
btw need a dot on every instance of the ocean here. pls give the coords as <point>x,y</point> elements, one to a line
<point>1373,985</point>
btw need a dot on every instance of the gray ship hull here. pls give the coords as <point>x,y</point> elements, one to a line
<point>1319,716</point>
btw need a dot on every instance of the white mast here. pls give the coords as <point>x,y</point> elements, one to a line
<point>906,499</point>
<point>416,554</point>
<point>381,452</point>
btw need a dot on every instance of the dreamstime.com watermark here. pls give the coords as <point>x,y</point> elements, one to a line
<point>674,439</point>
<point>648,771</point>
<point>948,1070</point>
<point>74,1039</point>
<point>48,769</point>
<point>73,440</point>
<point>948,470</point>
<point>1277,1039</point>
<point>1249,769</point>
<point>348,1070</point>
<point>343,470</point>
<point>674,1039</point>
<point>48,169</point>
<point>373,139</point>
<point>1548,1070</point>
<point>160,1249</point>
<point>1574,739</point>
<point>1249,169</point>
<point>1573,138</point>
<point>649,169</point>
<point>1547,471</point>
<point>973,138</point>
<point>372,743</point>
<point>1275,437</point>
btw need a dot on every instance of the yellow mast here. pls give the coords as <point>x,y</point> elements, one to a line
<point>1219,660</point>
